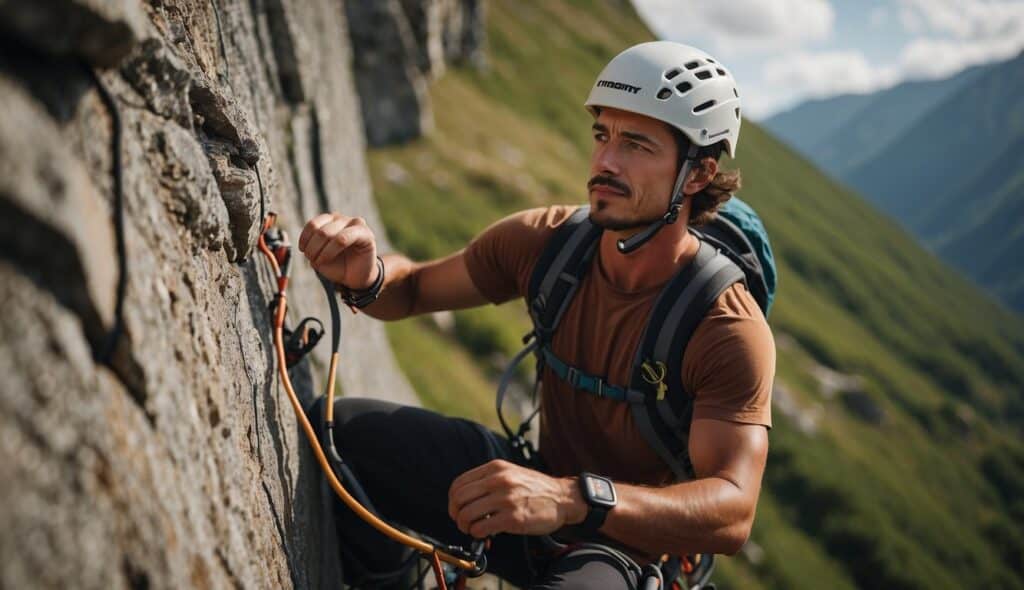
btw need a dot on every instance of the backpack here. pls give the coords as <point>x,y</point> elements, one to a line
<point>733,247</point>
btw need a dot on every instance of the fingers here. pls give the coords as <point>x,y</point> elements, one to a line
<point>487,506</point>
<point>318,226</point>
<point>336,245</point>
<point>479,472</point>
<point>499,522</point>
<point>478,500</point>
<point>325,241</point>
<point>312,226</point>
<point>323,236</point>
<point>459,498</point>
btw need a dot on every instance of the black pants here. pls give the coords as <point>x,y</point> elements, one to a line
<point>406,458</point>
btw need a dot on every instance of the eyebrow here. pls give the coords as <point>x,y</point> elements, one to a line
<point>639,137</point>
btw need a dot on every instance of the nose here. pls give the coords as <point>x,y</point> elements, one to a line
<point>605,160</point>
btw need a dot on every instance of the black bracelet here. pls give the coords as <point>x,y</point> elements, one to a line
<point>362,298</point>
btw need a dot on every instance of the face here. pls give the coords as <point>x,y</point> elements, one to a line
<point>632,170</point>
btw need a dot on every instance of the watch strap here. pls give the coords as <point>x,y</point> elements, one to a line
<point>594,520</point>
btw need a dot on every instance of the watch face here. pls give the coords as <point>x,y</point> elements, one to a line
<point>600,489</point>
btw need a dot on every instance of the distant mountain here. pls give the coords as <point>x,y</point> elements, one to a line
<point>841,132</point>
<point>817,121</point>
<point>942,157</point>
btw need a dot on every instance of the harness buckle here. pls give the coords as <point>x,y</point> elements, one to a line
<point>600,387</point>
<point>573,377</point>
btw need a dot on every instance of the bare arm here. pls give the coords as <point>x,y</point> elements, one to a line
<point>712,514</point>
<point>412,288</point>
<point>344,250</point>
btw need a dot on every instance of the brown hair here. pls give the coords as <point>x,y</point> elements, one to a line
<point>705,204</point>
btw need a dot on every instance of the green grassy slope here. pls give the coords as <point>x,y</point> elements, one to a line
<point>905,477</point>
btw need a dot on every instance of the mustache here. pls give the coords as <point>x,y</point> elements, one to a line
<point>609,181</point>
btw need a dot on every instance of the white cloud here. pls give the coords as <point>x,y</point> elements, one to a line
<point>827,73</point>
<point>800,75</point>
<point>791,50</point>
<point>955,34</point>
<point>940,58</point>
<point>739,26</point>
<point>969,19</point>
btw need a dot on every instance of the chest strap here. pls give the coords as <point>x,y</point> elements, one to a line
<point>579,379</point>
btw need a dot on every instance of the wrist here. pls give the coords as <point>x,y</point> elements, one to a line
<point>574,507</point>
<point>371,279</point>
<point>359,298</point>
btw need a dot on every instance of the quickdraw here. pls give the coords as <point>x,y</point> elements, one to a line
<point>291,346</point>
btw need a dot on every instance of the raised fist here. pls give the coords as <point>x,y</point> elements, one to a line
<point>341,248</point>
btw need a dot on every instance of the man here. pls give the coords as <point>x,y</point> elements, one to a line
<point>663,113</point>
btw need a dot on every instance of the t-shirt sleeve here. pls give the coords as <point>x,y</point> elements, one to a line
<point>729,364</point>
<point>502,257</point>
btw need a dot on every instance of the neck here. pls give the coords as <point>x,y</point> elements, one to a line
<point>652,264</point>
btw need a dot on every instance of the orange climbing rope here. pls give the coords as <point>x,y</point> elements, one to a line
<point>279,262</point>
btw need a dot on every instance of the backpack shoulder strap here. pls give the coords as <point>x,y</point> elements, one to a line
<point>663,412</point>
<point>553,283</point>
<point>558,271</point>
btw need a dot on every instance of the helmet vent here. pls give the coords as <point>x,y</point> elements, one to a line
<point>673,73</point>
<point>704,106</point>
<point>711,60</point>
<point>664,93</point>
<point>692,65</point>
<point>720,71</point>
<point>737,113</point>
<point>736,92</point>
<point>703,75</point>
<point>684,87</point>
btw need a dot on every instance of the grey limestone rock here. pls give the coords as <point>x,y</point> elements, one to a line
<point>102,32</point>
<point>175,462</point>
<point>399,46</point>
<point>53,222</point>
<point>392,88</point>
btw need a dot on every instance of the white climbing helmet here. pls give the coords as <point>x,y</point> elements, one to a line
<point>674,83</point>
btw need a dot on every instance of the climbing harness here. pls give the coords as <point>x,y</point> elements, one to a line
<point>291,346</point>
<point>683,573</point>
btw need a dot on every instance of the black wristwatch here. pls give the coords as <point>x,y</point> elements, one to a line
<point>599,494</point>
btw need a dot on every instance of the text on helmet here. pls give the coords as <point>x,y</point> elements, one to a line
<point>618,86</point>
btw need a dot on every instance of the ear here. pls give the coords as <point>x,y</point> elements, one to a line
<point>700,176</point>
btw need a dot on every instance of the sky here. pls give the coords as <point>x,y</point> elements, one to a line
<point>783,52</point>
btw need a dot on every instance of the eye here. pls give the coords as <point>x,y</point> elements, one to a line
<point>600,136</point>
<point>636,146</point>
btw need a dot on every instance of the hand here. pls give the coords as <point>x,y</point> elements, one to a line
<point>341,248</point>
<point>502,497</point>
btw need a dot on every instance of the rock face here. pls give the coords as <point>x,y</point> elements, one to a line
<point>146,441</point>
<point>399,45</point>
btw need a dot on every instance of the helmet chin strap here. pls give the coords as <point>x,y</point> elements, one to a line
<point>633,242</point>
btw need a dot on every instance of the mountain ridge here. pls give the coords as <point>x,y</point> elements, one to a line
<point>939,172</point>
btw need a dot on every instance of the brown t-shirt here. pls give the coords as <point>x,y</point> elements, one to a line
<point>728,365</point>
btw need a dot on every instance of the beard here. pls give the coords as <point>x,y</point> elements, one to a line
<point>619,224</point>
